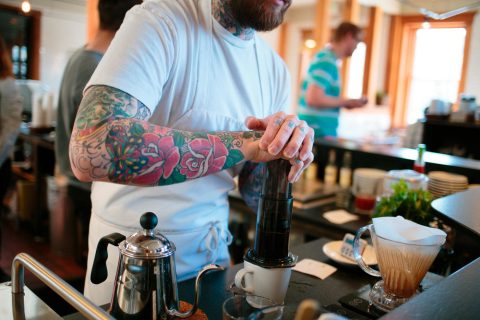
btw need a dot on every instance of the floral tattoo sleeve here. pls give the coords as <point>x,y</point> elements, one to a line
<point>113,141</point>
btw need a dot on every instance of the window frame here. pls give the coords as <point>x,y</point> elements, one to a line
<point>401,54</point>
<point>33,59</point>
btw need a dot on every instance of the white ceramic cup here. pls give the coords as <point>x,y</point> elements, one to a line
<point>367,186</point>
<point>270,283</point>
<point>368,181</point>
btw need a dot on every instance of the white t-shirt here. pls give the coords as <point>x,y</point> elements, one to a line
<point>193,75</point>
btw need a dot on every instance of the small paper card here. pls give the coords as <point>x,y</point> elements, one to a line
<point>315,268</point>
<point>339,216</point>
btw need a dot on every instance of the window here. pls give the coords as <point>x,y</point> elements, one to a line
<point>21,33</point>
<point>437,68</point>
<point>426,64</point>
<point>355,75</point>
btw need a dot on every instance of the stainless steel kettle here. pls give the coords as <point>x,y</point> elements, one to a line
<point>146,281</point>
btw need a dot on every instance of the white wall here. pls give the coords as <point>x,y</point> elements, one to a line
<point>58,44</point>
<point>272,38</point>
<point>63,29</point>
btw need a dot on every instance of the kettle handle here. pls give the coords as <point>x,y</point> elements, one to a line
<point>99,268</point>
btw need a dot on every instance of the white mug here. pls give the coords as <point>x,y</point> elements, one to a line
<point>368,181</point>
<point>270,283</point>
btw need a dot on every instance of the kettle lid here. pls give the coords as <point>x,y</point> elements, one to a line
<point>147,244</point>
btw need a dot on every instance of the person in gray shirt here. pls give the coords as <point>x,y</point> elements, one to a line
<point>78,71</point>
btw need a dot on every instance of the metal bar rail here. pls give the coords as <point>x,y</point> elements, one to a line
<point>54,282</point>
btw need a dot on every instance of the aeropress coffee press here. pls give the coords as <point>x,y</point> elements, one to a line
<point>268,266</point>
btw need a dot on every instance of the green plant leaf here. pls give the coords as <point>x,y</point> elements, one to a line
<point>414,205</point>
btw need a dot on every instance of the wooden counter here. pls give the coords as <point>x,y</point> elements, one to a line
<point>43,162</point>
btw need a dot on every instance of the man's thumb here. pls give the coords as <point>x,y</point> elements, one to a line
<point>253,123</point>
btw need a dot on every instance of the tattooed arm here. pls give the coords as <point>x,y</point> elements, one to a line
<point>113,141</point>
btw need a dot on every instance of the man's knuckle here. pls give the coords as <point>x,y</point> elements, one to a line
<point>294,145</point>
<point>286,129</point>
<point>276,145</point>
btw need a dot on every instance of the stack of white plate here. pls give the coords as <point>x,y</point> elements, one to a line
<point>442,183</point>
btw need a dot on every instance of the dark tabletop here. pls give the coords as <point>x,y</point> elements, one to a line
<point>461,208</point>
<point>346,280</point>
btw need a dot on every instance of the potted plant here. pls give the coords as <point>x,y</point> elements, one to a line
<point>414,205</point>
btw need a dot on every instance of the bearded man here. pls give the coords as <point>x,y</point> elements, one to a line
<point>186,97</point>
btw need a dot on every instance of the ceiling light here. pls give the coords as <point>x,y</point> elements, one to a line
<point>310,43</point>
<point>26,6</point>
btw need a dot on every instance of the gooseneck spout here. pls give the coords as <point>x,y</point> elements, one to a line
<point>189,313</point>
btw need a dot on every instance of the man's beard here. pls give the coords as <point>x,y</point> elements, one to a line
<point>258,14</point>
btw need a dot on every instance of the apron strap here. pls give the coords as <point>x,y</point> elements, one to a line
<point>217,235</point>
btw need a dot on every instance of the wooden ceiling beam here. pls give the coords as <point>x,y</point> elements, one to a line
<point>321,29</point>
<point>374,34</point>
<point>92,19</point>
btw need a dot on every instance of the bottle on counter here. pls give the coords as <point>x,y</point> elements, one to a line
<point>342,197</point>
<point>346,170</point>
<point>419,164</point>
<point>312,171</point>
<point>330,177</point>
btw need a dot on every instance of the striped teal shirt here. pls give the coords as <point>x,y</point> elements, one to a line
<point>324,72</point>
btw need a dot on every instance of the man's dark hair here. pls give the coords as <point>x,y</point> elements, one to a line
<point>112,12</point>
<point>344,29</point>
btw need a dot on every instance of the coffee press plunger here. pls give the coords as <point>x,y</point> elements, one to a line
<point>146,282</point>
<point>274,215</point>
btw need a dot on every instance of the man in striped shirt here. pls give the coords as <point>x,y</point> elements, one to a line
<point>320,99</point>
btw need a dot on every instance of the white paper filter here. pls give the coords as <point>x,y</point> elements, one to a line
<point>405,231</point>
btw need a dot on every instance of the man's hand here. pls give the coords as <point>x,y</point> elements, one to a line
<point>285,136</point>
<point>355,103</point>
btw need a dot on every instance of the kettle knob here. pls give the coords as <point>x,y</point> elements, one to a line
<point>148,220</point>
